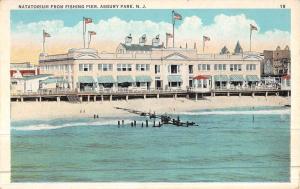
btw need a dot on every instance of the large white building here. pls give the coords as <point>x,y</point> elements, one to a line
<point>141,67</point>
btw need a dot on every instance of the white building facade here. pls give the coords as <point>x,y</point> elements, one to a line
<point>147,67</point>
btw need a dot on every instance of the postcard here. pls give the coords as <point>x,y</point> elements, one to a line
<point>137,94</point>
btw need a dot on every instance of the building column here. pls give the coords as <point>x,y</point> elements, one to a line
<point>22,99</point>
<point>157,96</point>
<point>240,94</point>
<point>253,94</point>
<point>266,94</point>
<point>58,99</point>
<point>37,99</point>
<point>126,97</point>
<point>144,96</point>
<point>187,96</point>
<point>88,98</point>
<point>80,98</point>
<point>288,93</point>
<point>110,98</point>
<point>196,97</point>
<point>40,99</point>
<point>102,98</point>
<point>228,93</point>
<point>175,95</point>
<point>95,98</point>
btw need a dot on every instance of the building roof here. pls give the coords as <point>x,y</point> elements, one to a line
<point>137,47</point>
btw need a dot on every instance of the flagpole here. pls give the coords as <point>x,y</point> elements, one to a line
<point>166,41</point>
<point>43,41</point>
<point>83,32</point>
<point>250,37</point>
<point>89,40</point>
<point>173,27</point>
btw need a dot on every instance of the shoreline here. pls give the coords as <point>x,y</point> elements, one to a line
<point>53,110</point>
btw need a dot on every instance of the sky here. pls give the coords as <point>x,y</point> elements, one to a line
<point>223,26</point>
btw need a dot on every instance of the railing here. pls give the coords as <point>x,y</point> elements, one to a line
<point>141,91</point>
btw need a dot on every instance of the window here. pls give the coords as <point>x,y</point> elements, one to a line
<point>235,67</point>
<point>191,69</point>
<point>174,69</point>
<point>157,69</point>
<point>224,66</point>
<point>220,67</point>
<point>143,67</point>
<point>199,66</point>
<point>100,67</point>
<point>129,67</point>
<point>119,67</point>
<point>208,66</point>
<point>251,67</point>
<point>203,66</point>
<point>85,67</point>
<point>124,67</point>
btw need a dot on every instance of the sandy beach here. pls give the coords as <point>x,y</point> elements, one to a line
<point>50,110</point>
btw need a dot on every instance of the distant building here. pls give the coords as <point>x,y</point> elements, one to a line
<point>277,62</point>
<point>24,68</point>
<point>27,84</point>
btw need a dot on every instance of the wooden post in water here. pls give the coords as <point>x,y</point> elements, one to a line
<point>134,123</point>
<point>146,122</point>
<point>131,124</point>
<point>122,122</point>
<point>142,124</point>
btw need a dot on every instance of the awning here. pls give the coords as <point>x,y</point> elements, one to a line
<point>54,80</point>
<point>106,79</point>
<point>201,77</point>
<point>174,78</point>
<point>125,79</point>
<point>220,78</point>
<point>143,78</point>
<point>86,79</point>
<point>238,78</point>
<point>252,78</point>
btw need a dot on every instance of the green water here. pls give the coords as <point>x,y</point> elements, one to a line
<point>230,145</point>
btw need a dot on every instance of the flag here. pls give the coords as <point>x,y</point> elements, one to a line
<point>92,33</point>
<point>168,35</point>
<point>205,38</point>
<point>177,16</point>
<point>46,34</point>
<point>252,27</point>
<point>88,20</point>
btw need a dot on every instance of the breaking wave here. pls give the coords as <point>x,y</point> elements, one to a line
<point>38,127</point>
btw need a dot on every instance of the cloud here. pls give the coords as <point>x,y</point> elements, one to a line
<point>225,30</point>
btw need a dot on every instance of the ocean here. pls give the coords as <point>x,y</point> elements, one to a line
<point>229,145</point>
